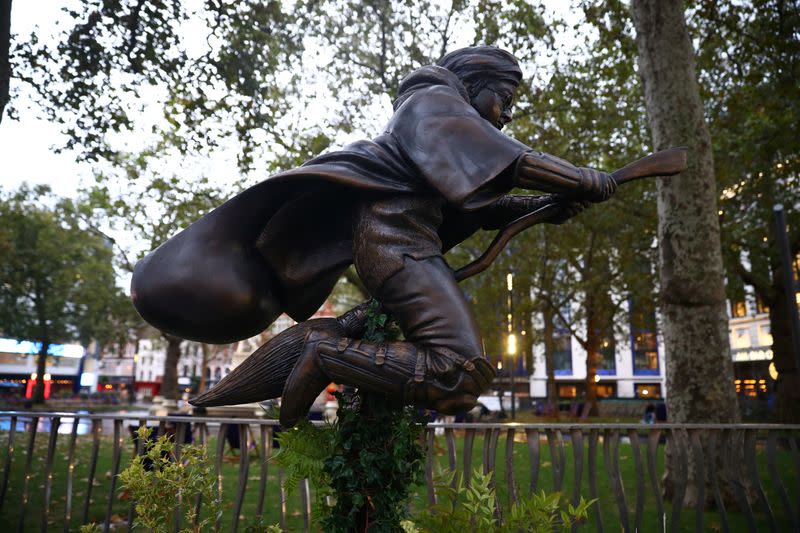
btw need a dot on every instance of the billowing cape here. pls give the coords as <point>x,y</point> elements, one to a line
<point>280,245</point>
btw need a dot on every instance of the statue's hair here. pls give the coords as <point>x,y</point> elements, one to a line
<point>475,65</point>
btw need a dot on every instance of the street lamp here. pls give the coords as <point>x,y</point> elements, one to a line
<point>511,344</point>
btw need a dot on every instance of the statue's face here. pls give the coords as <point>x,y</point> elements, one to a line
<point>495,101</point>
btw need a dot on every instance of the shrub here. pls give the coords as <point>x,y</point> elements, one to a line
<point>158,482</point>
<point>474,508</point>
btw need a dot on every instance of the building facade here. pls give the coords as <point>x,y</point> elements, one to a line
<point>631,364</point>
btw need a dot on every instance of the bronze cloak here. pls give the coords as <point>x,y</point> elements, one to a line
<point>280,245</point>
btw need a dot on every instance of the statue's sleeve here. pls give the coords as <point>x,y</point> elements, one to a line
<point>457,152</point>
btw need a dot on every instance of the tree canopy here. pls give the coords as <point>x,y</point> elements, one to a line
<point>58,281</point>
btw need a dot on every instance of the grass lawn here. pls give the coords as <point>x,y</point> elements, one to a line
<point>97,508</point>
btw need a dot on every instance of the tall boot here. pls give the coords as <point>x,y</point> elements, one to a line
<point>406,373</point>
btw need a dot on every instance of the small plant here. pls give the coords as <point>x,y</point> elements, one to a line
<point>473,508</point>
<point>301,453</point>
<point>158,482</point>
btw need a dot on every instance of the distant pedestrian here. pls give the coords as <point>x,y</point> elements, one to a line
<point>649,414</point>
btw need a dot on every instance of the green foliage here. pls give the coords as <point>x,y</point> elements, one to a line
<point>301,453</point>
<point>57,272</point>
<point>474,508</point>
<point>364,464</point>
<point>377,456</point>
<point>257,525</point>
<point>159,489</point>
<point>380,326</point>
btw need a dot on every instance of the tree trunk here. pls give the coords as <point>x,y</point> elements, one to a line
<point>41,369</point>
<point>169,382</point>
<point>201,388</point>
<point>699,369</point>
<point>5,45</point>
<point>787,394</point>
<point>592,356</point>
<point>549,363</point>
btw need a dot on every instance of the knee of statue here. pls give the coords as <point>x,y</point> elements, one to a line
<point>467,374</point>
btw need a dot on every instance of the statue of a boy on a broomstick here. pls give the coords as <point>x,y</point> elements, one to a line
<point>440,171</point>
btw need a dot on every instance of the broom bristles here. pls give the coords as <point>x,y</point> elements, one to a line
<point>262,375</point>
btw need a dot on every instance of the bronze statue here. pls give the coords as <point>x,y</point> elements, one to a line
<point>392,207</point>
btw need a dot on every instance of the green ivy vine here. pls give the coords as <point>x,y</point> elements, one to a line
<point>365,463</point>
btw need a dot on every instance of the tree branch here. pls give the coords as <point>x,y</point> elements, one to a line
<point>5,45</point>
<point>557,310</point>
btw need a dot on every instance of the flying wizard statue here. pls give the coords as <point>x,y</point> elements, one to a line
<point>392,206</point>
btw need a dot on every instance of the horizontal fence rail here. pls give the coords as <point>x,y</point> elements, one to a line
<point>750,472</point>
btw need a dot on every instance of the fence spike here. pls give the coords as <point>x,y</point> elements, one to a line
<point>244,467</point>
<point>116,454</point>
<point>469,441</point>
<point>697,455</point>
<point>26,480</point>
<point>593,438</point>
<point>48,471</point>
<point>532,437</point>
<point>510,484</point>
<point>752,468</point>
<point>73,439</point>
<point>772,468</point>
<point>633,436</point>
<point>96,428</point>
<point>9,455</point>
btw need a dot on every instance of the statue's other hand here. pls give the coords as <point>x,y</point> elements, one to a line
<point>567,208</point>
<point>595,185</point>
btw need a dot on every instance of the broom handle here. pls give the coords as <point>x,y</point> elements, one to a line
<point>664,163</point>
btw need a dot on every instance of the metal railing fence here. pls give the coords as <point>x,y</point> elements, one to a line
<point>752,470</point>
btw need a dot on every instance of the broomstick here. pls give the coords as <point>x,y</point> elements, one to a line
<point>262,375</point>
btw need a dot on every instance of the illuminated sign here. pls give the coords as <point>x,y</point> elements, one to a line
<point>88,379</point>
<point>74,351</point>
<point>763,354</point>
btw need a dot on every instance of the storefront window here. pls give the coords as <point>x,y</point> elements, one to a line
<point>567,391</point>
<point>647,390</point>
<point>751,388</point>
<point>606,390</point>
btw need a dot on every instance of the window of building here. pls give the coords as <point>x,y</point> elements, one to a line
<point>752,388</point>
<point>761,307</point>
<point>741,338</point>
<point>608,359</point>
<point>185,370</point>
<point>606,390</point>
<point>644,341</point>
<point>764,335</point>
<point>738,309</point>
<point>562,350</point>
<point>567,391</point>
<point>796,267</point>
<point>218,373</point>
<point>647,390</point>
